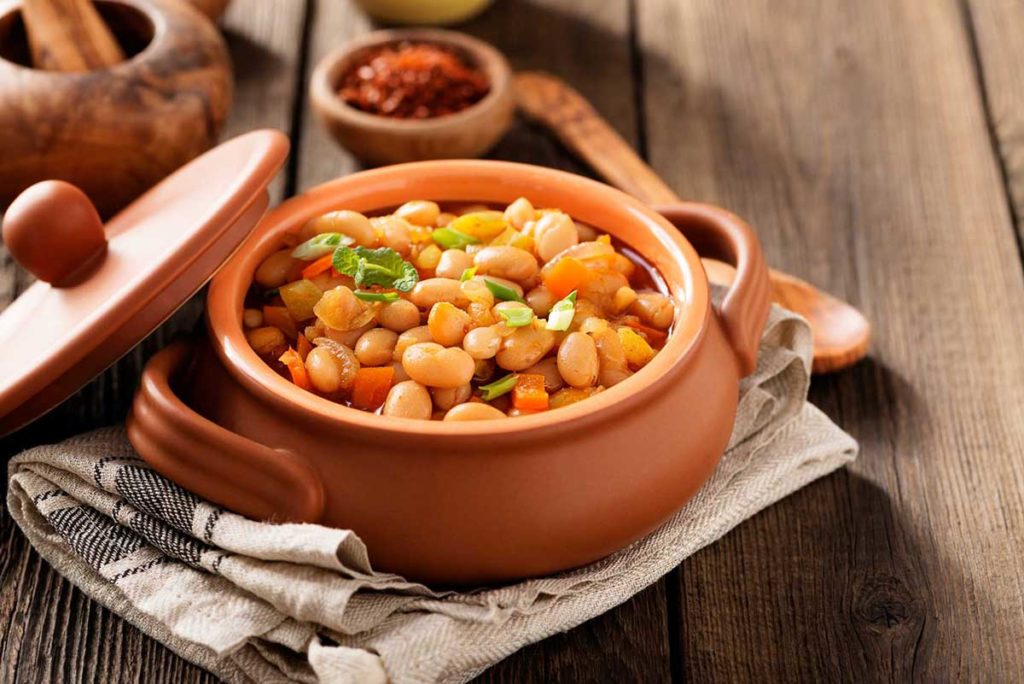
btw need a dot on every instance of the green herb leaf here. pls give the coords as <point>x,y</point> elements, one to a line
<point>517,318</point>
<point>319,245</point>
<point>449,238</point>
<point>346,261</point>
<point>376,296</point>
<point>468,274</point>
<point>383,266</point>
<point>498,387</point>
<point>503,293</point>
<point>562,313</point>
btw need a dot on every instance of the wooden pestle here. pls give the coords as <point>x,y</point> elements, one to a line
<point>841,333</point>
<point>69,35</point>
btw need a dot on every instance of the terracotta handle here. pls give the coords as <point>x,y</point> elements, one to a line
<point>54,232</point>
<point>718,234</point>
<point>215,463</point>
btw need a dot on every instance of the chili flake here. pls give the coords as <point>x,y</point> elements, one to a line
<point>413,81</point>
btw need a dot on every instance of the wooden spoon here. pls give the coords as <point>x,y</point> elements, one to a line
<point>841,333</point>
<point>69,35</point>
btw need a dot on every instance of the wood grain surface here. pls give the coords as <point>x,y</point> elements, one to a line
<point>876,147</point>
<point>855,139</point>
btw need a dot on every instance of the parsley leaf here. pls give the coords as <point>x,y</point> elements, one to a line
<point>382,266</point>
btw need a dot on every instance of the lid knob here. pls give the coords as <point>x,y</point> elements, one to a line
<point>55,232</point>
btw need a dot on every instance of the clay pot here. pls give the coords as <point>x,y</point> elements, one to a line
<point>113,132</point>
<point>474,502</point>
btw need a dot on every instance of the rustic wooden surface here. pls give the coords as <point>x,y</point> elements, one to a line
<point>878,148</point>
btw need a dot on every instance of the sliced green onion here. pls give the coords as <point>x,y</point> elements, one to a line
<point>468,274</point>
<point>376,296</point>
<point>562,313</point>
<point>449,238</point>
<point>499,387</point>
<point>518,317</point>
<point>503,293</point>
<point>319,245</point>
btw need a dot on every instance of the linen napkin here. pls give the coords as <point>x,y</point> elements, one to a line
<point>251,601</point>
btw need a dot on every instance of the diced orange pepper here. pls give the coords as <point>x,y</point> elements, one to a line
<point>296,368</point>
<point>566,275</point>
<point>529,393</point>
<point>279,317</point>
<point>371,387</point>
<point>304,346</point>
<point>317,267</point>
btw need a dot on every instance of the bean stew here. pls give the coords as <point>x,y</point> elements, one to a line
<point>456,313</point>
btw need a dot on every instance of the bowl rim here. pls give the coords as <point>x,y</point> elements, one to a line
<point>324,94</point>
<point>156,18</point>
<point>227,292</point>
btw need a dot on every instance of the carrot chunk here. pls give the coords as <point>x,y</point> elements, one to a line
<point>317,267</point>
<point>371,387</point>
<point>566,275</point>
<point>296,367</point>
<point>304,346</point>
<point>529,393</point>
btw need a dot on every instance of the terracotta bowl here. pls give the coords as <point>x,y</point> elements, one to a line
<point>472,502</point>
<point>381,140</point>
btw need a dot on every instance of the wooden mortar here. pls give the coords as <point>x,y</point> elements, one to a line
<point>116,131</point>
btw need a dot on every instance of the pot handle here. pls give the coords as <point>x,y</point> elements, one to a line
<point>718,234</point>
<point>219,465</point>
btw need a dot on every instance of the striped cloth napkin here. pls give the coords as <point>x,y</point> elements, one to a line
<point>252,601</point>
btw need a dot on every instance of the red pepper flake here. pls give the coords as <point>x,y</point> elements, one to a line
<point>413,81</point>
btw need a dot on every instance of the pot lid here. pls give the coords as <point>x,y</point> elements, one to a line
<point>101,289</point>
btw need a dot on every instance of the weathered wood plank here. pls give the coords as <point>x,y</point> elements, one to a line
<point>854,138</point>
<point>318,157</point>
<point>52,632</point>
<point>996,28</point>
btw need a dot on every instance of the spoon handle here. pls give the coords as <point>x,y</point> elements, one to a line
<point>69,35</point>
<point>841,333</point>
<point>551,102</point>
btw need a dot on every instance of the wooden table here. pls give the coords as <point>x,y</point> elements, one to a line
<point>878,148</point>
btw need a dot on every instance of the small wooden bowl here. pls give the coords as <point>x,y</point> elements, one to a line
<point>382,140</point>
<point>113,132</point>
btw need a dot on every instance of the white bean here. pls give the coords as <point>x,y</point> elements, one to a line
<point>482,343</point>
<point>350,223</point>
<point>524,347</point>
<point>419,212</point>
<point>554,233</point>
<point>433,290</point>
<point>578,363</point>
<point>409,399</point>
<point>506,262</point>
<point>399,316</point>
<point>435,366</point>
<point>453,263</point>
<point>275,269</point>
<point>473,410</point>
<point>376,347</point>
